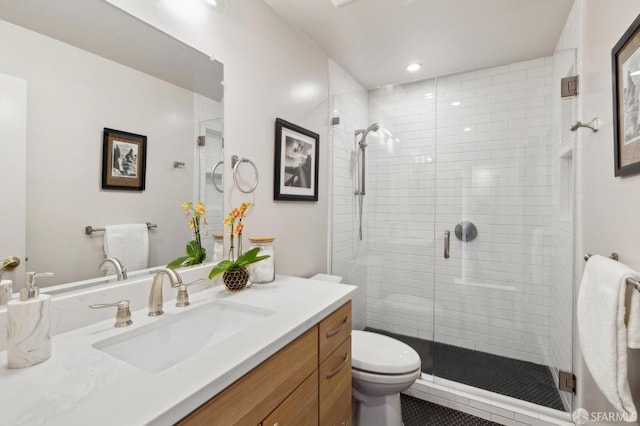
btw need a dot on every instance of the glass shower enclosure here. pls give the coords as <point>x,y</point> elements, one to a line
<point>467,223</point>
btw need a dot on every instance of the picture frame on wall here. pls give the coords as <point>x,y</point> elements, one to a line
<point>124,157</point>
<point>625,58</point>
<point>296,163</point>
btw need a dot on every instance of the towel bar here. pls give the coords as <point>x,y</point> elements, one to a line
<point>633,282</point>
<point>90,229</point>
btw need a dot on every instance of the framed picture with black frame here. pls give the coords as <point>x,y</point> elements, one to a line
<point>296,163</point>
<point>124,157</point>
<point>625,58</point>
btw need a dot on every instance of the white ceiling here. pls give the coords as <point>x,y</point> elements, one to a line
<point>374,40</point>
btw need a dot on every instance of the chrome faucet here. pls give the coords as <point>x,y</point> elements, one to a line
<point>155,297</point>
<point>121,271</point>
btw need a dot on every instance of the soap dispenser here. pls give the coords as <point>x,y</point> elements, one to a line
<point>29,325</point>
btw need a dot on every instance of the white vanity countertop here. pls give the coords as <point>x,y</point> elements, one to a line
<point>83,385</point>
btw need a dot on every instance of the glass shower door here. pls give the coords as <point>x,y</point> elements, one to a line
<point>504,230</point>
<point>401,215</point>
<point>209,154</point>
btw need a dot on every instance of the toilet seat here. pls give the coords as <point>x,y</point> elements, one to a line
<point>384,379</point>
<point>379,354</point>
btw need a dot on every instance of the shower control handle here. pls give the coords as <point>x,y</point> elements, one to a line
<point>447,237</point>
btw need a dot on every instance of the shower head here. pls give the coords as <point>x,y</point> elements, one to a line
<point>373,128</point>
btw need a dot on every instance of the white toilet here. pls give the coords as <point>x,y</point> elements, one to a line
<point>381,368</point>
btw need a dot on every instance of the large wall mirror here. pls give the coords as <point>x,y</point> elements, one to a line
<point>88,66</point>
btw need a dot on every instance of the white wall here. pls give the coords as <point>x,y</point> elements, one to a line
<point>270,71</point>
<point>72,96</point>
<point>607,206</point>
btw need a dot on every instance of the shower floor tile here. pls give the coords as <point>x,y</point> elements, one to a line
<point>416,412</point>
<point>507,376</point>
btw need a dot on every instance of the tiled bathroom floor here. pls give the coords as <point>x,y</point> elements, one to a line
<point>511,377</point>
<point>416,412</point>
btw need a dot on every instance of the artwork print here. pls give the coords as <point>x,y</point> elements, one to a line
<point>625,59</point>
<point>123,160</point>
<point>296,163</point>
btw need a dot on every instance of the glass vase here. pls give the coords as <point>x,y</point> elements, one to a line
<point>263,271</point>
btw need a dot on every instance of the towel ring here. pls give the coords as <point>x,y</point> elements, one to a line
<point>235,162</point>
<point>213,176</point>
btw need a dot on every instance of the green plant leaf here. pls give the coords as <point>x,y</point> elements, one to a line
<point>177,262</point>
<point>251,254</point>
<point>193,250</point>
<point>221,267</point>
<point>244,262</point>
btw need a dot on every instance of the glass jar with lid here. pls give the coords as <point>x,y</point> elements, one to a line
<point>263,271</point>
<point>218,248</point>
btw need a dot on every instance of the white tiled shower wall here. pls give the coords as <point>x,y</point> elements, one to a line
<point>495,292</point>
<point>472,147</point>
<point>475,146</point>
<point>400,209</point>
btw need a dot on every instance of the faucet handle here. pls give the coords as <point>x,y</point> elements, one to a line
<point>182,299</point>
<point>123,315</point>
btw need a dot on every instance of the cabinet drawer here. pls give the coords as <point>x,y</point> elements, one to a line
<point>334,329</point>
<point>258,393</point>
<point>335,386</point>
<point>300,408</point>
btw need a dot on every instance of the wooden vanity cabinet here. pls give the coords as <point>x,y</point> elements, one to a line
<point>335,387</point>
<point>335,367</point>
<point>300,408</point>
<point>308,382</point>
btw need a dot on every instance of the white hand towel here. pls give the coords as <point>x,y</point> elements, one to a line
<point>633,325</point>
<point>129,244</point>
<point>602,331</point>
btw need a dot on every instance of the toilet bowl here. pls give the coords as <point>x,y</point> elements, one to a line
<point>381,368</point>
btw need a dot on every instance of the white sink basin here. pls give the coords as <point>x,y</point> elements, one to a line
<point>156,347</point>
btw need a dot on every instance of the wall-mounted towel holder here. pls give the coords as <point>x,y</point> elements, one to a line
<point>88,230</point>
<point>630,281</point>
<point>235,164</point>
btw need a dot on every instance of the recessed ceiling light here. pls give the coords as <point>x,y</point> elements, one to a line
<point>467,129</point>
<point>413,67</point>
<point>455,103</point>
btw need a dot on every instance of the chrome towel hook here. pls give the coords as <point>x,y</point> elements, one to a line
<point>593,125</point>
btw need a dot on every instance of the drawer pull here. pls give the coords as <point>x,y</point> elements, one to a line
<point>339,328</point>
<point>332,373</point>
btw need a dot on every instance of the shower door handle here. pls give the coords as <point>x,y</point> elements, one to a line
<point>447,236</point>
